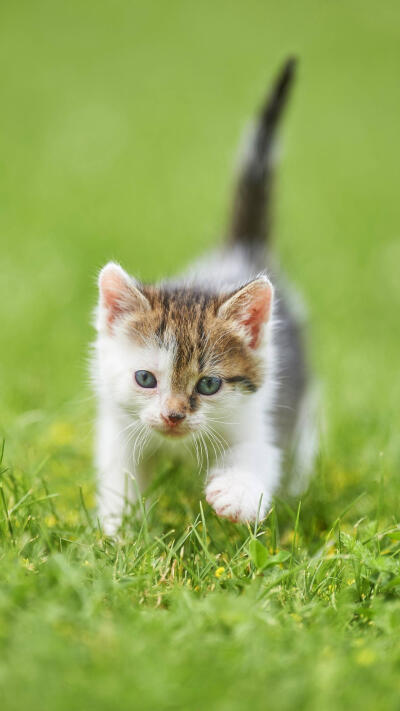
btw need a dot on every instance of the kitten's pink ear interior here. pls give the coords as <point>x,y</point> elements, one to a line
<point>250,308</point>
<point>118,293</point>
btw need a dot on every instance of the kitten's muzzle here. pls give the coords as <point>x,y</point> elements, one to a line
<point>172,419</point>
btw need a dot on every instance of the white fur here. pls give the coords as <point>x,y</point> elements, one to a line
<point>230,433</point>
<point>241,484</point>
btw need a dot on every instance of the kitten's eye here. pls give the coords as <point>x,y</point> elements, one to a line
<point>145,379</point>
<point>209,385</point>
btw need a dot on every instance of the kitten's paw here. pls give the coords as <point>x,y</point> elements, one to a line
<point>237,495</point>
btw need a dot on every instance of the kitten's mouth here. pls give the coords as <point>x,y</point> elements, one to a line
<point>172,432</point>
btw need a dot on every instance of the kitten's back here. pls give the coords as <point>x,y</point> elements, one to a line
<point>247,252</point>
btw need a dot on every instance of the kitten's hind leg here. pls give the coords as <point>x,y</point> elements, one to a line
<point>306,441</point>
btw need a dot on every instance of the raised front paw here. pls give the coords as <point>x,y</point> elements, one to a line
<point>237,495</point>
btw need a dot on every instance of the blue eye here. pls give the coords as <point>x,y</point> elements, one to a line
<point>209,385</point>
<point>145,379</point>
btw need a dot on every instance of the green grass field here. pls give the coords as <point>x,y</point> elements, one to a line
<point>119,125</point>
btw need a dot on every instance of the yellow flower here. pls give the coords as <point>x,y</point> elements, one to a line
<point>365,657</point>
<point>220,571</point>
<point>50,520</point>
<point>296,617</point>
<point>287,537</point>
<point>72,517</point>
<point>27,564</point>
<point>61,433</point>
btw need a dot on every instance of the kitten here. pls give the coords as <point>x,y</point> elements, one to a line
<point>214,358</point>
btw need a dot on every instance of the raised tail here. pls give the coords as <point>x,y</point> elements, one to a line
<point>251,215</point>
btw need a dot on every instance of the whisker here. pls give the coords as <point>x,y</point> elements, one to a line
<point>200,449</point>
<point>217,434</point>
<point>208,434</point>
<point>193,436</point>
<point>143,441</point>
<point>205,449</point>
<point>216,441</point>
<point>137,443</point>
<point>222,422</point>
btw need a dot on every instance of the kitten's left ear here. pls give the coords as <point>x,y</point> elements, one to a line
<point>250,308</point>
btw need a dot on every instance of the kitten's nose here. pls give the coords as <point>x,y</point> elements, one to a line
<point>172,418</point>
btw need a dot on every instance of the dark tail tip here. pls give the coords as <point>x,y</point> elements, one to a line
<point>276,100</point>
<point>251,210</point>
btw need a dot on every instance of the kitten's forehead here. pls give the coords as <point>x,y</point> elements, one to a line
<point>179,319</point>
<point>185,323</point>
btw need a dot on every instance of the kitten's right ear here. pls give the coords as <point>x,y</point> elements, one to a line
<point>118,295</point>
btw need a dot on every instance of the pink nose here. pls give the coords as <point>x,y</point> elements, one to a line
<point>173,418</point>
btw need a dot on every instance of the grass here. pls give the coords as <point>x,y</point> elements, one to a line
<point>118,127</point>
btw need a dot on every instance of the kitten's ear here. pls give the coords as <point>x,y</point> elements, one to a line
<point>250,308</point>
<point>118,295</point>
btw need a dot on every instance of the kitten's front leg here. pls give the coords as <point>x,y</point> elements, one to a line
<point>116,467</point>
<point>242,487</point>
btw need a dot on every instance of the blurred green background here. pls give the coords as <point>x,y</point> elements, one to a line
<point>119,126</point>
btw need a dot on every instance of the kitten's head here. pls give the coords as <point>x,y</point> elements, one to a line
<point>180,359</point>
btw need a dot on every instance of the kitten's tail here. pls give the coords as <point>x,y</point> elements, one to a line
<point>251,215</point>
